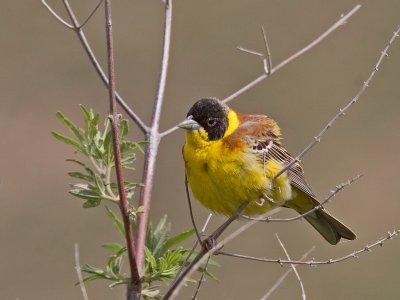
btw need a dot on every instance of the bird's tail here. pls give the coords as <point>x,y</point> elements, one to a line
<point>328,226</point>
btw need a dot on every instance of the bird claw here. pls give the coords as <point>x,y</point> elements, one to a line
<point>210,244</point>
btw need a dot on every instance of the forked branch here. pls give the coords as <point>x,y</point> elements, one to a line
<point>344,110</point>
<point>342,21</point>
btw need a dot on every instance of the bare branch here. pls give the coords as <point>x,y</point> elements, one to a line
<point>267,60</point>
<point>245,50</point>
<point>201,280</point>
<point>153,136</point>
<point>342,111</point>
<point>91,14</point>
<point>293,267</point>
<point>253,83</point>
<point>192,250</point>
<point>333,193</point>
<point>191,210</point>
<point>283,277</point>
<point>313,262</point>
<point>294,56</point>
<point>79,273</point>
<point>207,251</point>
<point>56,15</point>
<point>82,38</point>
<point>134,287</point>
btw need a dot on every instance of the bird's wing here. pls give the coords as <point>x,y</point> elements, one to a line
<point>262,136</point>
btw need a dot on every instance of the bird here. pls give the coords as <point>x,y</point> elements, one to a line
<point>232,158</point>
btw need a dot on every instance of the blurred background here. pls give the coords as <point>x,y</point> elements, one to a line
<point>44,69</point>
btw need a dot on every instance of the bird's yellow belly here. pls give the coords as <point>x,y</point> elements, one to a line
<point>222,181</point>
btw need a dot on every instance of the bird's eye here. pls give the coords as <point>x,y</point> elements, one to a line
<point>211,122</point>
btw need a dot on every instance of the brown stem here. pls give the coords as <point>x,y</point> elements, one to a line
<point>134,286</point>
<point>153,136</point>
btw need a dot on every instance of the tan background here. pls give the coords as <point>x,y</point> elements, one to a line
<point>44,69</point>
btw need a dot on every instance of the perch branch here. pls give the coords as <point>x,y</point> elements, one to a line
<point>344,110</point>
<point>333,193</point>
<point>253,83</point>
<point>313,262</point>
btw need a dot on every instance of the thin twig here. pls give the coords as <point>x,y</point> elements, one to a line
<point>340,22</point>
<point>248,51</point>
<point>91,14</point>
<point>205,252</point>
<point>342,111</point>
<point>294,56</point>
<point>77,28</point>
<point>293,267</point>
<point>267,60</point>
<point>333,193</point>
<point>65,23</point>
<point>153,136</point>
<point>134,287</point>
<point>191,210</point>
<point>313,262</point>
<point>192,250</point>
<point>79,273</point>
<point>202,279</point>
<point>283,277</point>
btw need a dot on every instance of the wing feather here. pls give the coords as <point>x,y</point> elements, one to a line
<point>262,136</point>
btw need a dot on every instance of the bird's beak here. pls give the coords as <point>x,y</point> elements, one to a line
<point>189,124</point>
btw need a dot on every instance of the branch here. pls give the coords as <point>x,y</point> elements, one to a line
<point>77,28</point>
<point>342,21</point>
<point>209,247</point>
<point>282,278</point>
<point>153,136</point>
<point>342,111</point>
<point>79,273</point>
<point>312,262</point>
<point>134,287</point>
<point>293,267</point>
<point>333,193</point>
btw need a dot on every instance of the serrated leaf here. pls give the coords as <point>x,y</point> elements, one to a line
<point>68,140</point>
<point>116,221</point>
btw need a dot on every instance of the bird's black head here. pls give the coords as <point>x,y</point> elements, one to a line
<point>212,115</point>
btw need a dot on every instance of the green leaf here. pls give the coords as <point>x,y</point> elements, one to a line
<point>116,221</point>
<point>79,175</point>
<point>100,184</point>
<point>123,128</point>
<point>113,247</point>
<point>68,140</point>
<point>177,239</point>
<point>108,149</point>
<point>150,258</point>
<point>71,126</point>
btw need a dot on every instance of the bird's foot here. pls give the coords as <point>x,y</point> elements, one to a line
<point>211,244</point>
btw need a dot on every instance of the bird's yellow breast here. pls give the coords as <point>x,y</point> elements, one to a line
<point>223,177</point>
